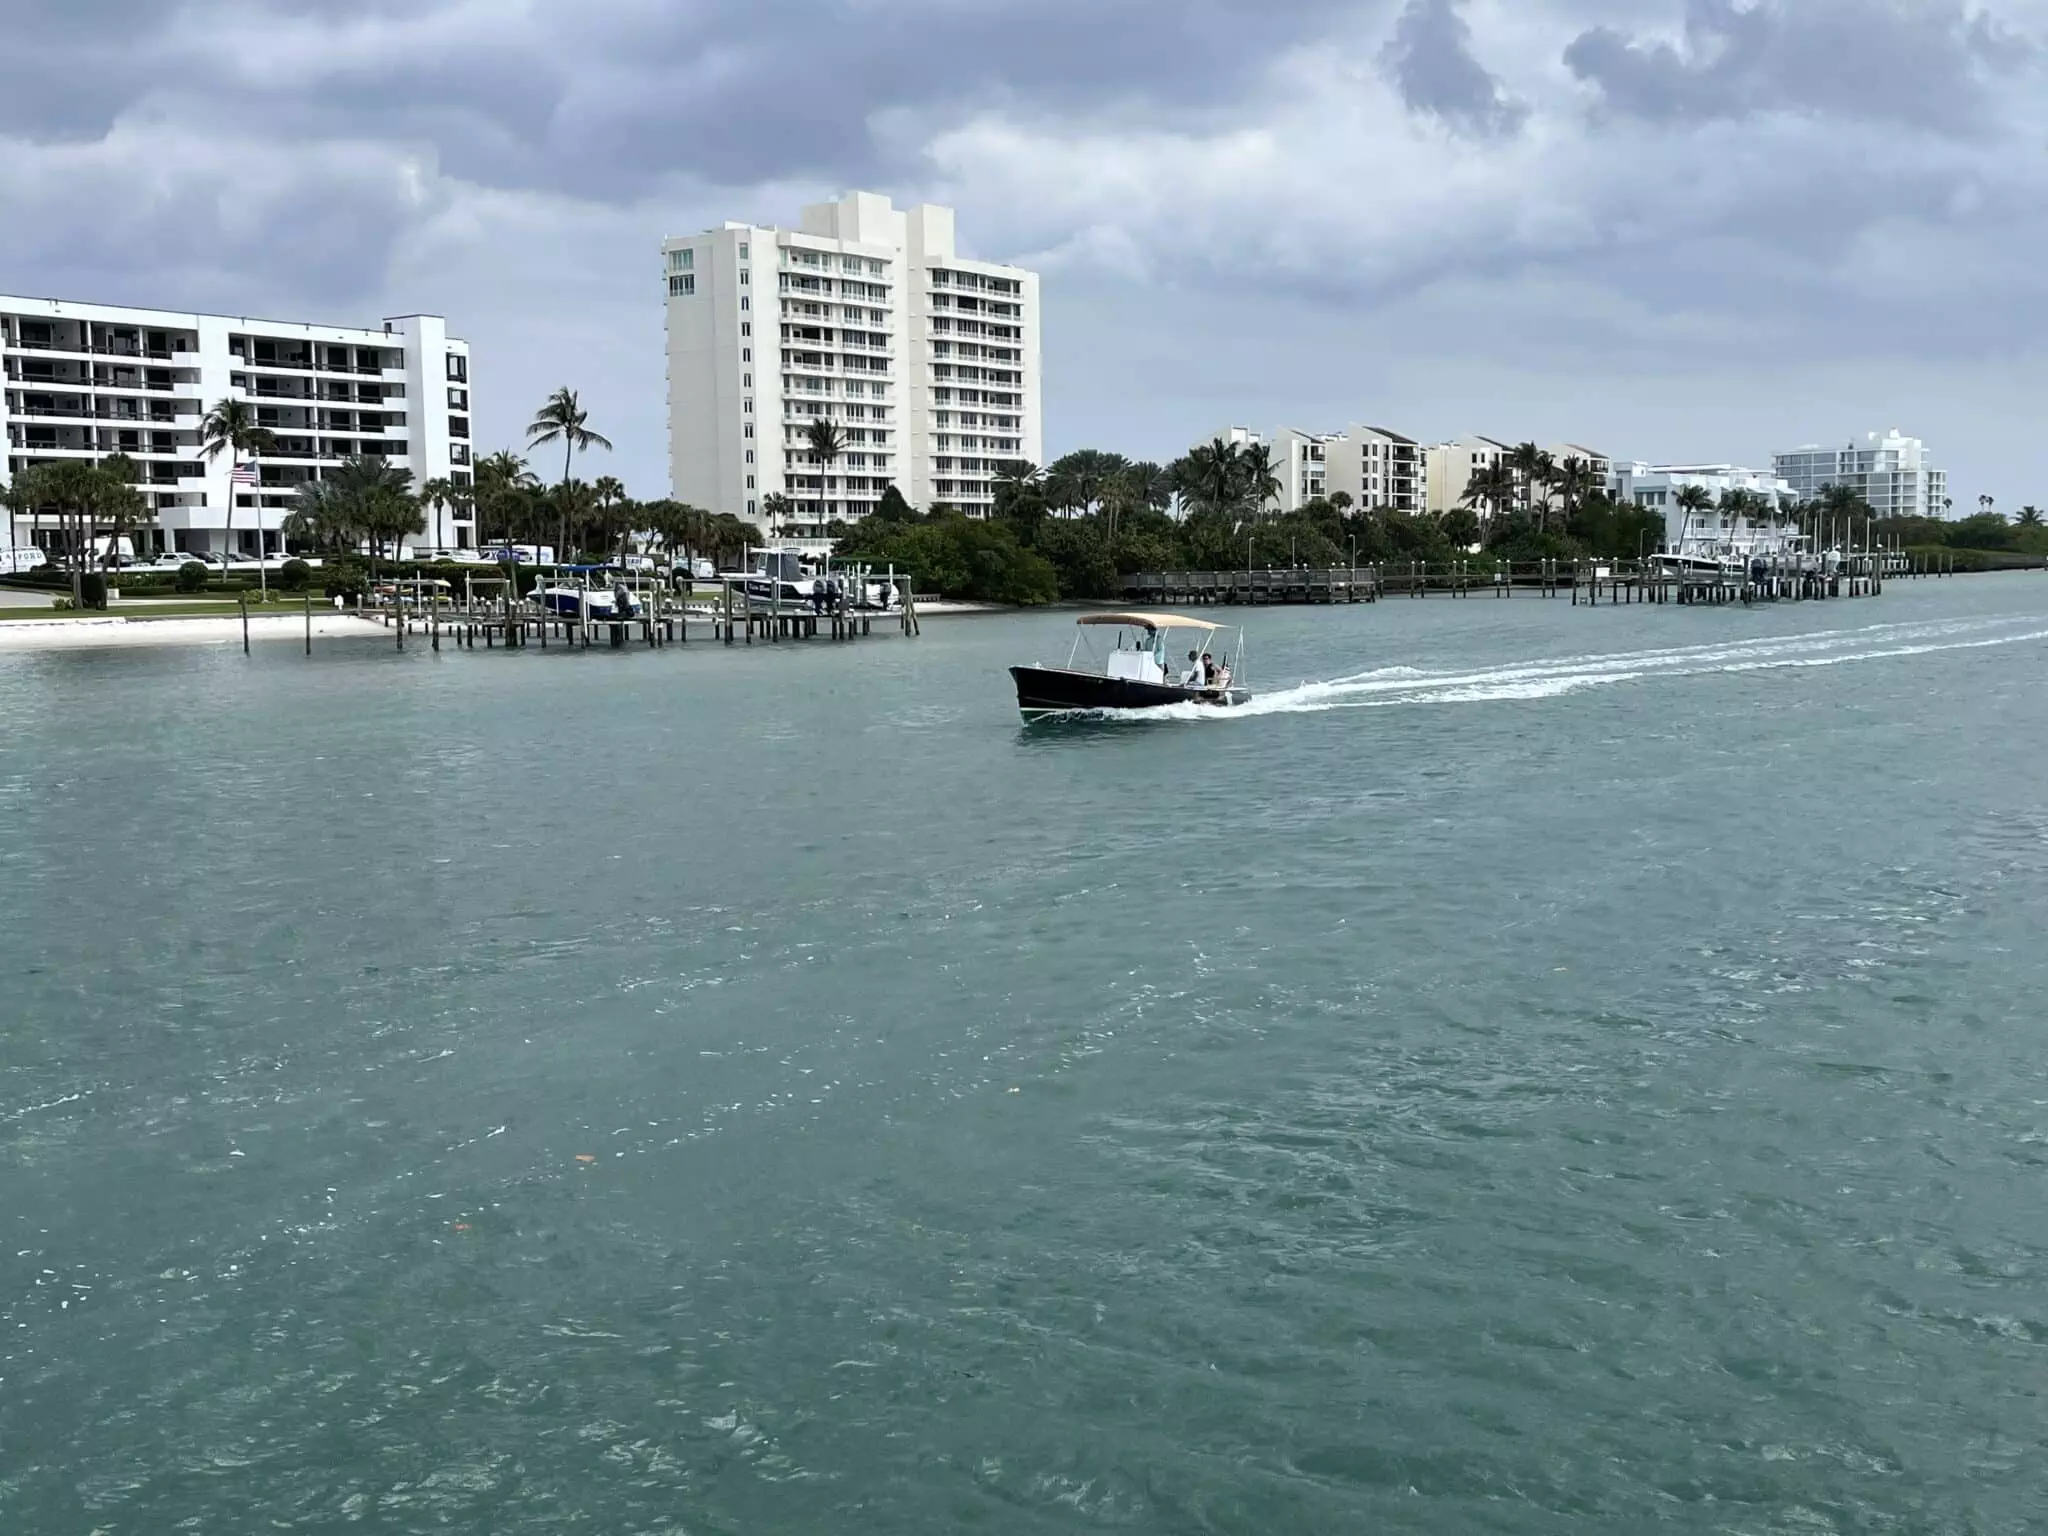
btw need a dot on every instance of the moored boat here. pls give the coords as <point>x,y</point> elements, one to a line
<point>1140,672</point>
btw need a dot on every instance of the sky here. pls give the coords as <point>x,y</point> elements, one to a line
<point>1673,230</point>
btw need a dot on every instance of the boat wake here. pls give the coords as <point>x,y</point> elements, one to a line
<point>1389,687</point>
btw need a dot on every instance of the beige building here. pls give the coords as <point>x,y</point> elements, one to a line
<point>1448,469</point>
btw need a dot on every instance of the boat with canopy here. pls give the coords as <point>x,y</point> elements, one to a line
<point>1157,659</point>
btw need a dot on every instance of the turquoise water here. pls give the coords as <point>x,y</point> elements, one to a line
<point>1560,1071</point>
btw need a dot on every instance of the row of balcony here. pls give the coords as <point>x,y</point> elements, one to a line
<point>177,354</point>
<point>27,412</point>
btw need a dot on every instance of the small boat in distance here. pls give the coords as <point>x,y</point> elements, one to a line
<point>1143,671</point>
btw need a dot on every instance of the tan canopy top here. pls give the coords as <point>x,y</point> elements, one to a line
<point>1149,621</point>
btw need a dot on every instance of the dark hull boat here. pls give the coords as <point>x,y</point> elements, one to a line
<point>1054,690</point>
<point>1137,674</point>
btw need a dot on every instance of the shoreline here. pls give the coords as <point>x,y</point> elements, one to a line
<point>97,630</point>
<point>61,632</point>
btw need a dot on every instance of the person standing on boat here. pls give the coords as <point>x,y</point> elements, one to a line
<point>1208,670</point>
<point>1194,674</point>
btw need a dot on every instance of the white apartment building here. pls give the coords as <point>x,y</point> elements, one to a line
<point>1656,486</point>
<point>84,381</point>
<point>1297,460</point>
<point>1373,466</point>
<point>1376,468</point>
<point>1892,472</point>
<point>869,317</point>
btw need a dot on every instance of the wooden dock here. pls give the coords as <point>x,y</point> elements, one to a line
<point>1584,582</point>
<point>495,619</point>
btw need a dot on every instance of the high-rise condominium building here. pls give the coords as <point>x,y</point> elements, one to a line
<point>865,316</point>
<point>1893,473</point>
<point>86,381</point>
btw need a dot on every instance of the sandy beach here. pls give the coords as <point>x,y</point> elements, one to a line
<point>116,629</point>
<point>65,632</point>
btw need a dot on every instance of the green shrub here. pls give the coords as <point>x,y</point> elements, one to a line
<point>296,576</point>
<point>345,576</point>
<point>191,576</point>
<point>92,590</point>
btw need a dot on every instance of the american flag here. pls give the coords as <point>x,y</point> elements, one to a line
<point>245,474</point>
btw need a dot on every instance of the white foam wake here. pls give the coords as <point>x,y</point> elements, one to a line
<point>1552,677</point>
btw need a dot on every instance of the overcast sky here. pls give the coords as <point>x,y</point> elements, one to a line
<point>1670,229</point>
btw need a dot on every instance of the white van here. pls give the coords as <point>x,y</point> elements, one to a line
<point>15,559</point>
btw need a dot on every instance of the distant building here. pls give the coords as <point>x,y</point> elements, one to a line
<point>1373,466</point>
<point>1449,468</point>
<point>1598,466</point>
<point>1893,473</point>
<point>868,317</point>
<point>87,381</point>
<point>1376,468</point>
<point>1656,487</point>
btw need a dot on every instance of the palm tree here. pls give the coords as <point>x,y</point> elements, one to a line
<point>1690,499</point>
<point>1527,462</point>
<point>1080,481</point>
<point>373,498</point>
<point>2029,517</point>
<point>777,508</point>
<point>1259,485</point>
<point>562,419</point>
<point>504,497</point>
<point>1017,473</point>
<point>439,494</point>
<point>1574,482</point>
<point>230,427</point>
<point>70,489</point>
<point>1208,476</point>
<point>1492,489</point>
<point>826,442</point>
<point>322,516</point>
<point>116,502</point>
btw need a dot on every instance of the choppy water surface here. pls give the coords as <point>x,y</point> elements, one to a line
<point>1549,1071</point>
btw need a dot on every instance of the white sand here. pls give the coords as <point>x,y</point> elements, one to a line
<point>115,629</point>
<point>60,632</point>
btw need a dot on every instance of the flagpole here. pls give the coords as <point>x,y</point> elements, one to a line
<point>262,542</point>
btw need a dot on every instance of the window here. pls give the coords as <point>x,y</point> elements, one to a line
<point>746,354</point>
<point>749,429</point>
<point>750,507</point>
<point>747,379</point>
<point>750,482</point>
<point>458,399</point>
<point>682,287</point>
<point>750,455</point>
<point>681,261</point>
<point>458,368</point>
<point>458,426</point>
<point>746,327</point>
<point>743,250</point>
<point>747,406</point>
<point>743,277</point>
<point>745,302</point>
